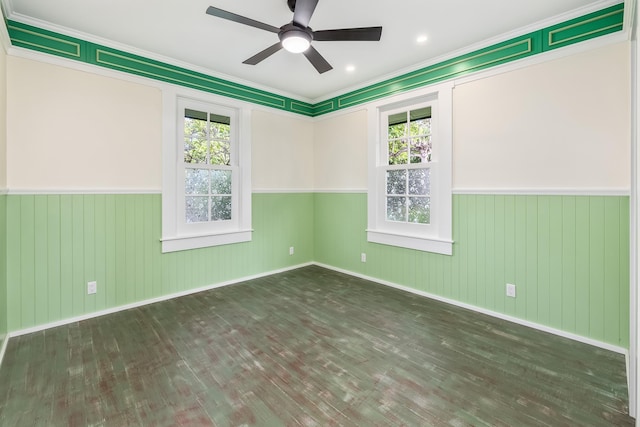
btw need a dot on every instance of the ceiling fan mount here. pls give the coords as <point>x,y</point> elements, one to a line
<point>296,36</point>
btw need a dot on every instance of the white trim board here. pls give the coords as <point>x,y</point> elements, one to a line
<point>461,191</point>
<point>3,349</point>
<point>554,331</point>
<point>281,190</point>
<point>149,301</point>
<point>82,191</point>
<point>544,191</point>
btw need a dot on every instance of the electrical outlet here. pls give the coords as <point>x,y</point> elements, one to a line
<point>92,287</point>
<point>291,250</point>
<point>363,257</point>
<point>511,290</point>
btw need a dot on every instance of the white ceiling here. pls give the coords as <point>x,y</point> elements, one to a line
<point>181,30</point>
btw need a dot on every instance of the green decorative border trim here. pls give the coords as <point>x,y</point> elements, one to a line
<point>133,64</point>
<point>485,58</point>
<point>302,108</point>
<point>576,30</point>
<point>324,107</point>
<point>45,41</point>
<point>596,24</point>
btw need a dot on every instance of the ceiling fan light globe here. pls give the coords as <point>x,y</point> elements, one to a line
<point>296,43</point>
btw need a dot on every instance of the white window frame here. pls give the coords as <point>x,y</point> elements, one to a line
<point>436,236</point>
<point>177,234</point>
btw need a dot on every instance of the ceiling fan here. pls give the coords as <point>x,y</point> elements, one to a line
<point>296,36</point>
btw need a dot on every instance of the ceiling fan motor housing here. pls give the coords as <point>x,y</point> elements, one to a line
<point>291,30</point>
<point>294,38</point>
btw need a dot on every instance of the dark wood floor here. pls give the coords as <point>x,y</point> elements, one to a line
<point>308,347</point>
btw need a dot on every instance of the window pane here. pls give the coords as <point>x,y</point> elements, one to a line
<point>196,209</point>
<point>397,125</point>
<point>419,182</point>
<point>398,152</point>
<point>195,138</point>
<point>397,182</point>
<point>196,181</point>
<point>396,209</point>
<point>220,126</point>
<point>220,182</point>
<point>220,152</point>
<point>419,210</point>
<point>220,208</point>
<point>420,122</point>
<point>420,149</point>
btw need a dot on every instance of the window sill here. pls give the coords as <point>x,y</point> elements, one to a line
<point>182,243</point>
<point>435,245</point>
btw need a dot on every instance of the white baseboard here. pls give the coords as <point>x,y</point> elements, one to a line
<point>3,349</point>
<point>495,314</point>
<point>62,322</point>
<point>501,316</point>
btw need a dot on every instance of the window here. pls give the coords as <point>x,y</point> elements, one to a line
<point>410,171</point>
<point>206,182</point>
<point>407,170</point>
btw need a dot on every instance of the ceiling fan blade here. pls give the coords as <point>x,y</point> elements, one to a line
<point>356,34</point>
<point>261,56</point>
<point>214,11</point>
<point>317,60</point>
<point>303,11</point>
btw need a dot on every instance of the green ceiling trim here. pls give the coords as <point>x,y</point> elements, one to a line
<point>595,24</point>
<point>324,107</point>
<point>302,108</point>
<point>573,31</point>
<point>129,63</point>
<point>45,41</point>
<point>481,59</point>
<point>576,30</point>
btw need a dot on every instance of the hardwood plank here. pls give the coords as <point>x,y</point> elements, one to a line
<point>307,347</point>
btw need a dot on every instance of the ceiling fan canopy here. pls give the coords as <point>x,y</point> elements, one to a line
<point>296,36</point>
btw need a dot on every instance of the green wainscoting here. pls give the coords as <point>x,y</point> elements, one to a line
<point>57,243</point>
<point>567,255</point>
<point>3,268</point>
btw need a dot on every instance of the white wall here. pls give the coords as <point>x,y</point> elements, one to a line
<point>281,152</point>
<point>340,152</point>
<point>73,130</point>
<point>70,129</point>
<point>559,124</point>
